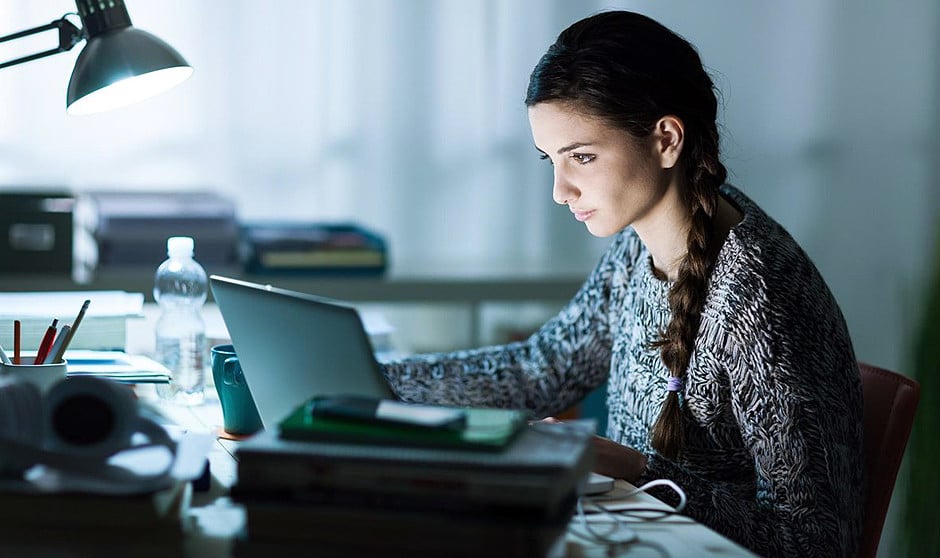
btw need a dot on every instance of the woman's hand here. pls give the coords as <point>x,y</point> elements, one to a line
<point>613,459</point>
<point>617,461</point>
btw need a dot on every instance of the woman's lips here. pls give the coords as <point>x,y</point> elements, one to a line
<point>582,215</point>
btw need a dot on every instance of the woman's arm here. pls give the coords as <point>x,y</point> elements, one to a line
<point>550,371</point>
<point>553,369</point>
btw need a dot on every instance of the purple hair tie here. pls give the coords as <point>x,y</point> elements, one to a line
<point>675,384</point>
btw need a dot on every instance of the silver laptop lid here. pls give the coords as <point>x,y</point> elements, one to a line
<point>293,346</point>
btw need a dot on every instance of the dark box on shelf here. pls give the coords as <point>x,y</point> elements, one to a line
<point>131,228</point>
<point>36,232</point>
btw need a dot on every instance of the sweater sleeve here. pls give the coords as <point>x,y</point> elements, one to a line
<point>797,404</point>
<point>547,373</point>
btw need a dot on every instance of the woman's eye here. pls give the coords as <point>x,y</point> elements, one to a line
<point>545,157</point>
<point>582,158</point>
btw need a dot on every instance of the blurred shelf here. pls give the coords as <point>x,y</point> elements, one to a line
<point>437,288</point>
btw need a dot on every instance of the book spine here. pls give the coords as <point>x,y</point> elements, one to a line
<point>259,475</point>
<point>410,501</point>
<point>418,532</point>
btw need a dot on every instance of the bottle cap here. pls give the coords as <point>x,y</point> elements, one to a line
<point>179,246</point>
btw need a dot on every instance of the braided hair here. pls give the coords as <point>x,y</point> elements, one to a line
<point>630,71</point>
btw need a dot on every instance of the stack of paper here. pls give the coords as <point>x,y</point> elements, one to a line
<point>116,365</point>
<point>104,326</point>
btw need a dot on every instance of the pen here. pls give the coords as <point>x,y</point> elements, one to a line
<point>46,342</point>
<point>16,341</point>
<point>60,340</point>
<point>57,356</point>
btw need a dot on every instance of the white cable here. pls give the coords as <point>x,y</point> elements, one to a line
<point>616,523</point>
<point>662,482</point>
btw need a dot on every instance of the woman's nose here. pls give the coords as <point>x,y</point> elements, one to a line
<point>563,191</point>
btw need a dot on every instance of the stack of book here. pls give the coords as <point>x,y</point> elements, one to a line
<point>315,248</point>
<point>36,523</point>
<point>351,488</point>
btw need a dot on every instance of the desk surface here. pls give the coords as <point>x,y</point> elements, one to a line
<point>218,519</point>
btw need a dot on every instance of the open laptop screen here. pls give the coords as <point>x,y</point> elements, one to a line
<point>293,346</point>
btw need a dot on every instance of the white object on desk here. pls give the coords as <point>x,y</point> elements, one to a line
<point>598,484</point>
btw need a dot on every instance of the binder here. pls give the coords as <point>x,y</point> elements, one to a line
<point>37,231</point>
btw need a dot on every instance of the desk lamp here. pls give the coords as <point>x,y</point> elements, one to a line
<point>119,66</point>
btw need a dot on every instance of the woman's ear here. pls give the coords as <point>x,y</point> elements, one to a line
<point>668,137</point>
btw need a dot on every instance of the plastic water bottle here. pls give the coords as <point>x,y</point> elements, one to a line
<point>180,288</point>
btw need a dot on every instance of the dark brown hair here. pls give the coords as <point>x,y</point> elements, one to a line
<point>631,71</point>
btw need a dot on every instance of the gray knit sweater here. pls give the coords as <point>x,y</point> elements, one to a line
<point>772,402</point>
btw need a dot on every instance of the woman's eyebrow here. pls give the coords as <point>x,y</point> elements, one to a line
<point>566,148</point>
<point>572,146</point>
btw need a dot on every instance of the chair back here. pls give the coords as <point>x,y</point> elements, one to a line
<point>890,400</point>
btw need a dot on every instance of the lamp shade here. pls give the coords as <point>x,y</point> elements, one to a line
<point>123,66</point>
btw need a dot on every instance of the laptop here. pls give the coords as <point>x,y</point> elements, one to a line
<point>293,346</point>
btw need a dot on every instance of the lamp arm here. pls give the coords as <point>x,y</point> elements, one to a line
<point>69,36</point>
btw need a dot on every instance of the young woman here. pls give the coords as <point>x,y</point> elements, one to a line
<point>729,365</point>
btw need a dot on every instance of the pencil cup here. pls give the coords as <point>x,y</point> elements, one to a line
<point>239,413</point>
<point>43,376</point>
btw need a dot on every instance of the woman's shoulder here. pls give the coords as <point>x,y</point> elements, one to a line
<point>759,247</point>
<point>770,309</point>
<point>762,274</point>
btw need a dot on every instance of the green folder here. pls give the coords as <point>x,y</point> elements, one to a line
<point>484,429</point>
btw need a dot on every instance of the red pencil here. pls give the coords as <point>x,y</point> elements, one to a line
<point>16,341</point>
<point>46,343</point>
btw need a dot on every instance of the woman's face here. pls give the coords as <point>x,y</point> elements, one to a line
<point>608,178</point>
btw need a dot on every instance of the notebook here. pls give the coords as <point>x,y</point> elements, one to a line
<point>477,429</point>
<point>293,346</point>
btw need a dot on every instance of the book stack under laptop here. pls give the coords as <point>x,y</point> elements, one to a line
<point>361,495</point>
